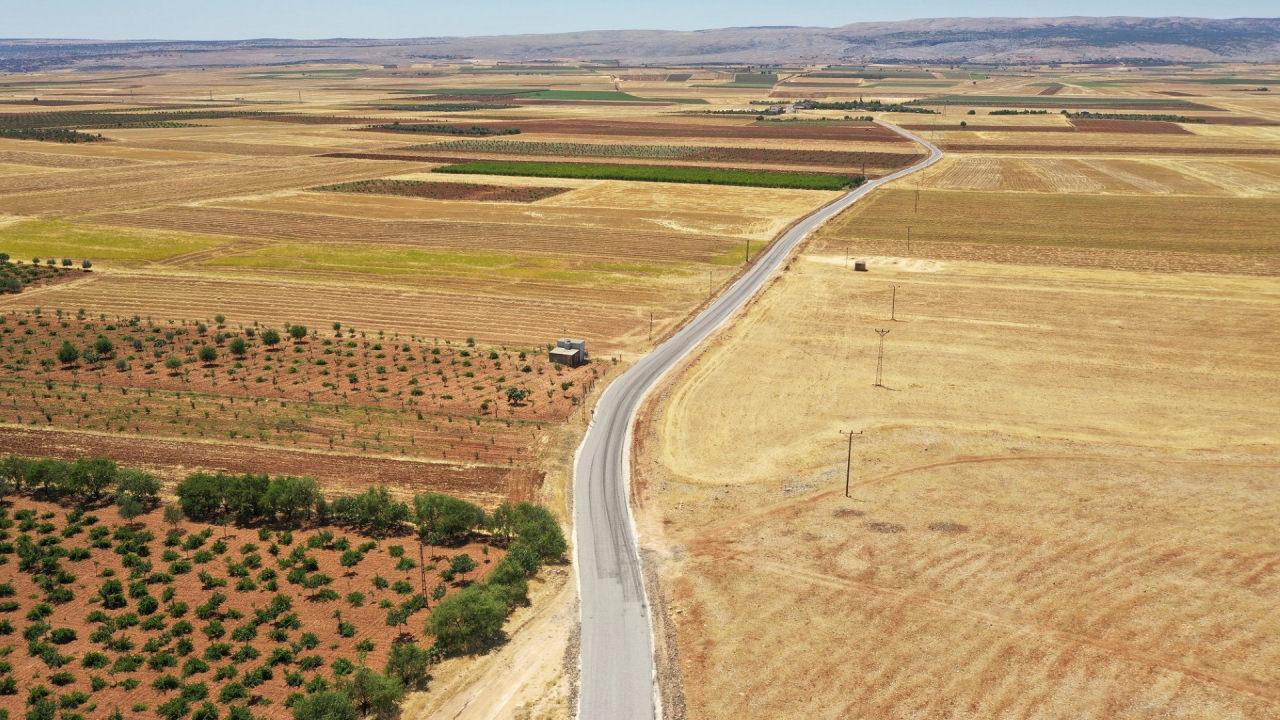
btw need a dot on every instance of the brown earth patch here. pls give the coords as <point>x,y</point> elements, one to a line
<point>338,472</point>
<point>1155,127</point>
<point>447,190</point>
<point>1106,149</point>
<point>995,128</point>
<point>1238,120</point>
<point>313,615</point>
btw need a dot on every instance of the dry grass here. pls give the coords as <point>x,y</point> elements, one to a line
<point>1065,492</point>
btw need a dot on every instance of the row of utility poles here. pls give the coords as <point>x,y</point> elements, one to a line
<point>882,332</point>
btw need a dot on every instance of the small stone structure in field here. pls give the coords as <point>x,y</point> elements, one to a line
<point>569,352</point>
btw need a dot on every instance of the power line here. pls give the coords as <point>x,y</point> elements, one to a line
<point>880,358</point>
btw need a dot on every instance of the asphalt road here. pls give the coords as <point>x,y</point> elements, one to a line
<point>618,680</point>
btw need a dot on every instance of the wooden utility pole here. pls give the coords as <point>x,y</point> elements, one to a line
<point>893,304</point>
<point>908,239</point>
<point>880,358</point>
<point>650,325</point>
<point>748,255</point>
<point>848,461</point>
<point>422,566</point>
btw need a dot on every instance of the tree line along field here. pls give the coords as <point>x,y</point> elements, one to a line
<point>247,596</point>
<point>15,277</point>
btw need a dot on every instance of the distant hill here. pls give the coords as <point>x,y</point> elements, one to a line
<point>986,40</point>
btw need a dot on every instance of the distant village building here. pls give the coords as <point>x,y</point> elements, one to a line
<point>569,352</point>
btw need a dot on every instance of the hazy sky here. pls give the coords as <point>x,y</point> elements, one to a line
<point>233,19</point>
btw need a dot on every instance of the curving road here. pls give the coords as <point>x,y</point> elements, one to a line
<point>618,677</point>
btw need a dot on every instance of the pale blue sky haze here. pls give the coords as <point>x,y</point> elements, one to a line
<point>238,19</point>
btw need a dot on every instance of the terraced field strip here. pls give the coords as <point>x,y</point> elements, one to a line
<point>467,236</point>
<point>929,127</point>
<point>1153,176</point>
<point>60,161</point>
<point>775,130</point>
<point>695,153</point>
<point>57,238</point>
<point>190,184</point>
<point>655,173</point>
<point>1198,150</point>
<point>344,471</point>
<point>491,319</point>
<point>446,190</point>
<point>1088,102</point>
<point>1151,127</point>
<point>246,418</point>
<point>1071,228</point>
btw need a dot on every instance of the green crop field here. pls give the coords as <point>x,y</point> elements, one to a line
<point>655,173</point>
<point>47,238</point>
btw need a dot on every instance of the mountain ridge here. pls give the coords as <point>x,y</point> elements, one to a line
<point>963,39</point>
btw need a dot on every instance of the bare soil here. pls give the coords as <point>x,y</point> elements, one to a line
<point>449,190</point>
<point>314,615</point>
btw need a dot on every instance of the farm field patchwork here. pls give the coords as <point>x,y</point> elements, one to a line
<point>226,202</point>
<point>655,173</point>
<point>1059,487</point>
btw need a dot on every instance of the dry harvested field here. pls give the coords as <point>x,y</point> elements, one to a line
<point>1061,505</point>
<point>1062,500</point>
<point>1189,234</point>
<point>1145,176</point>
